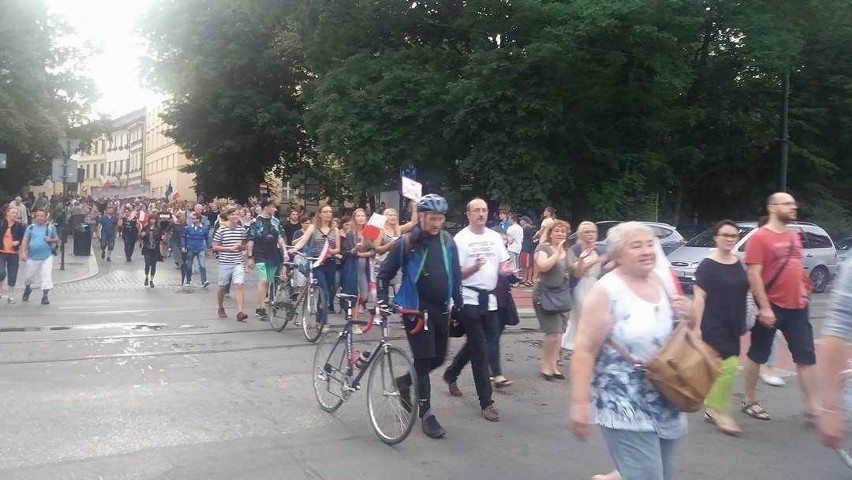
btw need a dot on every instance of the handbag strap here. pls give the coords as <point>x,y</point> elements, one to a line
<point>623,352</point>
<point>777,275</point>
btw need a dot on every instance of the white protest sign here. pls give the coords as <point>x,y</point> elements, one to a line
<point>411,189</point>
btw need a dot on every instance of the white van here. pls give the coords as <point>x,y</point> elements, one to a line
<point>820,256</point>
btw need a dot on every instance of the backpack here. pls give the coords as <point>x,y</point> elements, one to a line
<point>49,231</point>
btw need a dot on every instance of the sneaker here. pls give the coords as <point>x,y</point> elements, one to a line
<point>206,284</point>
<point>146,281</point>
<point>10,301</point>
<point>241,317</point>
<point>432,428</point>
<point>263,316</point>
<point>45,300</point>
<point>490,413</point>
<point>772,380</point>
<point>257,311</point>
<point>103,254</point>
<point>109,259</point>
<point>27,291</point>
<point>222,313</point>
<point>151,284</point>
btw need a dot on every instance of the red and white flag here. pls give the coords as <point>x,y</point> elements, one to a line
<point>374,227</point>
<point>322,256</point>
<point>174,197</point>
<point>664,271</point>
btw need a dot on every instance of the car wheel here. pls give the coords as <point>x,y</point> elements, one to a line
<point>819,278</point>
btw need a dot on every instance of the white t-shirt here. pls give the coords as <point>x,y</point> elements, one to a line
<point>472,246</point>
<point>515,236</point>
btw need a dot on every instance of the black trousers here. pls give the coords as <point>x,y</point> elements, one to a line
<point>429,349</point>
<point>473,351</point>
<point>129,246</point>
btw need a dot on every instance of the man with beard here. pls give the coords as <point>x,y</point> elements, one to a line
<point>780,289</point>
<point>431,278</point>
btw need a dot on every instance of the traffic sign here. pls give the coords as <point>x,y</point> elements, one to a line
<point>71,171</point>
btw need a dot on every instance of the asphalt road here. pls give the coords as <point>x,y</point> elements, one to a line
<point>115,381</point>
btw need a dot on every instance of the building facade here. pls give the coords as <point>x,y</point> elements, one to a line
<point>163,160</point>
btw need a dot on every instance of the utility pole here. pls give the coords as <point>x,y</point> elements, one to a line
<point>68,148</point>
<point>783,138</point>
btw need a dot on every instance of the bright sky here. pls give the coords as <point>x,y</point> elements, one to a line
<point>110,26</point>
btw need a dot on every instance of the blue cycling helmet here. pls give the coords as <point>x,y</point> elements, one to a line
<point>432,203</point>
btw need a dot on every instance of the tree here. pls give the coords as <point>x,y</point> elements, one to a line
<point>41,97</point>
<point>235,108</point>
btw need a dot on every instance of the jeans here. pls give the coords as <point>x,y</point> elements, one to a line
<point>640,455</point>
<point>191,255</point>
<point>9,268</point>
<point>129,246</point>
<point>474,351</point>
<point>325,279</point>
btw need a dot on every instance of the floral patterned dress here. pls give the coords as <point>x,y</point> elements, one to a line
<point>622,399</point>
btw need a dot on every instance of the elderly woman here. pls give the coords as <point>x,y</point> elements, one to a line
<point>629,307</point>
<point>554,263</point>
<point>588,269</point>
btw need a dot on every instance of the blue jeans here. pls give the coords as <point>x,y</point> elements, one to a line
<point>191,255</point>
<point>325,274</point>
<point>640,455</point>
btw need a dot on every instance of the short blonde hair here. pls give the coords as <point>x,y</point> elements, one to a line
<point>582,224</point>
<point>556,224</point>
<point>616,237</point>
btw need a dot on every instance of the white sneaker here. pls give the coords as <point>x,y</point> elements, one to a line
<point>772,380</point>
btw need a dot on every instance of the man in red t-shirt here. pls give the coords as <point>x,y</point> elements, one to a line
<point>775,273</point>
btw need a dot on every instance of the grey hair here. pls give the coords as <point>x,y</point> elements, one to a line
<point>616,237</point>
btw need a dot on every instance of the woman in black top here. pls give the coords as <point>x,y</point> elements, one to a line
<point>721,285</point>
<point>152,239</point>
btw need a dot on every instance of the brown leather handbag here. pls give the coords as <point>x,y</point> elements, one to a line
<point>684,369</point>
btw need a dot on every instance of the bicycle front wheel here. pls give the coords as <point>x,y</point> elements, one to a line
<point>311,327</point>
<point>280,305</point>
<point>329,371</point>
<point>392,395</point>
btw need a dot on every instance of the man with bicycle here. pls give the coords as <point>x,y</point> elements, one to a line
<point>265,250</point>
<point>431,278</point>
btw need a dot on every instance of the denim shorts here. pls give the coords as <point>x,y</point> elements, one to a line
<point>235,274</point>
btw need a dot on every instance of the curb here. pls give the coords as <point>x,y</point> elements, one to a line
<point>92,271</point>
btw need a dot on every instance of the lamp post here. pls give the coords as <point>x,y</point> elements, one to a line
<point>68,146</point>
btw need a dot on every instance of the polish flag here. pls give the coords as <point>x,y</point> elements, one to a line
<point>664,271</point>
<point>174,197</point>
<point>322,256</point>
<point>373,228</point>
<point>143,218</point>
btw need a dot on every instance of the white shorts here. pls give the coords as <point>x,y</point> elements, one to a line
<point>229,274</point>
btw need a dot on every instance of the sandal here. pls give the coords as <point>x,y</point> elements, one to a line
<point>725,425</point>
<point>754,410</point>
<point>503,383</point>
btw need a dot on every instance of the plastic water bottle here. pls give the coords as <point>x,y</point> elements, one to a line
<point>363,360</point>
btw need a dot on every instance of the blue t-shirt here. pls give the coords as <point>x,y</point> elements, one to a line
<point>108,225</point>
<point>37,234</point>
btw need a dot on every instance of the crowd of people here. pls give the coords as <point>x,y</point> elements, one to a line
<point>587,298</point>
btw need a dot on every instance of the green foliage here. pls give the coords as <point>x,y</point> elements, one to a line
<point>42,97</point>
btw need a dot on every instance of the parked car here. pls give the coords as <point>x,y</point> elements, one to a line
<point>844,251</point>
<point>820,255</point>
<point>669,237</point>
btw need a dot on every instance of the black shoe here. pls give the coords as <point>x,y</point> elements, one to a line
<point>109,259</point>
<point>404,394</point>
<point>146,281</point>
<point>152,283</point>
<point>27,291</point>
<point>262,315</point>
<point>432,428</point>
<point>103,254</point>
<point>45,300</point>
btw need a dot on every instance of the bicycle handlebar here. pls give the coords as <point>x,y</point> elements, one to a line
<point>420,317</point>
<point>300,254</point>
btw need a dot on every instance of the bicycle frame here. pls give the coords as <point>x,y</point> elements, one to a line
<point>350,363</point>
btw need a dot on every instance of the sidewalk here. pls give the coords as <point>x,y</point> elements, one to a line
<point>76,268</point>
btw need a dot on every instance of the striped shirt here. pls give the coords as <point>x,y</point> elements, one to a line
<point>228,237</point>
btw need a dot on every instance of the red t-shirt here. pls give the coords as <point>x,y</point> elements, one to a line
<point>770,249</point>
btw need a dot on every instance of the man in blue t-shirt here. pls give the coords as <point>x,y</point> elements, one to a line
<point>37,252</point>
<point>107,225</point>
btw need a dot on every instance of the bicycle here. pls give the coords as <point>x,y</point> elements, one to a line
<point>282,295</point>
<point>309,298</point>
<point>338,370</point>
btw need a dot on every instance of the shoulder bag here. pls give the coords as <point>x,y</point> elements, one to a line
<point>683,370</point>
<point>555,299</point>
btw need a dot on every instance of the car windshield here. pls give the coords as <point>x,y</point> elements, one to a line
<point>705,238</point>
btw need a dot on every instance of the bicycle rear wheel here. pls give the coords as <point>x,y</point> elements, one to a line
<point>392,412</point>
<point>311,327</point>
<point>280,305</point>
<point>329,371</point>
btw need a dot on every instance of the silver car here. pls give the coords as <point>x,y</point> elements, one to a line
<point>820,256</point>
<point>669,237</point>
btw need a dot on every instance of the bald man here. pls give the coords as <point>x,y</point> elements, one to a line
<point>778,284</point>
